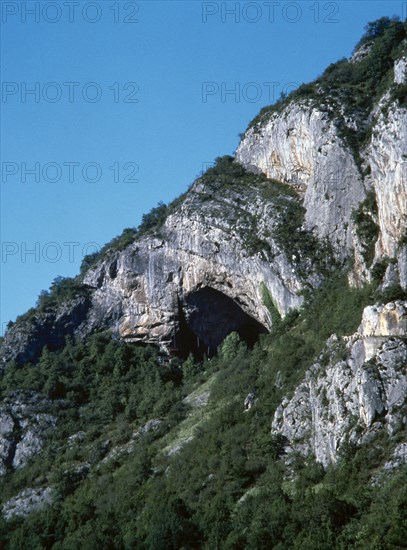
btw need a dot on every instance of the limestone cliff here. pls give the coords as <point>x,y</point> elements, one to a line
<point>200,278</point>
<point>193,280</point>
<point>25,340</point>
<point>303,145</point>
<point>387,158</point>
<point>357,388</point>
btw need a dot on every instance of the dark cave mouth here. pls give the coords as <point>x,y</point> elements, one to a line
<point>206,317</point>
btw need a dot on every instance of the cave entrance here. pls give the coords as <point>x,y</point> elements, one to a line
<point>206,317</point>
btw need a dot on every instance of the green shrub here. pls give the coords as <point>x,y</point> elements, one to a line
<point>269,303</point>
<point>366,227</point>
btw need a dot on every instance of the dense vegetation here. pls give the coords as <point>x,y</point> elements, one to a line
<point>226,488</point>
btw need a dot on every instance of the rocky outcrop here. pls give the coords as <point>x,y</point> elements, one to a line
<point>179,446</point>
<point>361,53</point>
<point>384,320</point>
<point>119,451</point>
<point>26,502</point>
<point>249,401</point>
<point>188,284</point>
<point>354,397</point>
<point>387,158</point>
<point>24,423</point>
<point>301,146</point>
<point>199,275</point>
<point>400,71</point>
<point>25,341</point>
<point>398,458</point>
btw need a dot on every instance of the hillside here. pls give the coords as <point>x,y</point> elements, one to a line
<point>232,373</point>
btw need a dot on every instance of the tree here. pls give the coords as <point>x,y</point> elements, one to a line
<point>375,29</point>
<point>230,346</point>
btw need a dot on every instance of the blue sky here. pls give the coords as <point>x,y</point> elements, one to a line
<point>129,102</point>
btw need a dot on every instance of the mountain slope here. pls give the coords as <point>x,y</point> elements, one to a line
<point>233,372</point>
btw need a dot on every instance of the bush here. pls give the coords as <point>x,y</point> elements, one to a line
<point>366,227</point>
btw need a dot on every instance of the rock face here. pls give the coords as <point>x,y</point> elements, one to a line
<point>189,284</point>
<point>26,502</point>
<point>128,448</point>
<point>24,422</point>
<point>400,71</point>
<point>387,158</point>
<point>361,391</point>
<point>198,282</point>
<point>384,320</point>
<point>25,341</point>
<point>301,146</point>
<point>240,248</point>
<point>398,458</point>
